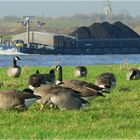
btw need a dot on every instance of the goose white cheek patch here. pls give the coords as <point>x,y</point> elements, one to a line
<point>31,87</point>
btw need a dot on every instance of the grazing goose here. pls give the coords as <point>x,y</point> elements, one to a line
<point>133,74</point>
<point>87,90</point>
<point>35,80</point>
<point>49,77</point>
<point>106,80</point>
<point>80,71</point>
<point>63,98</point>
<point>10,99</point>
<point>14,70</point>
<point>52,94</point>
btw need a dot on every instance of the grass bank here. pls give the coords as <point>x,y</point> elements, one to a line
<point>117,116</point>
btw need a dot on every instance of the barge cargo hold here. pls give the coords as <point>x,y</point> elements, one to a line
<point>88,47</point>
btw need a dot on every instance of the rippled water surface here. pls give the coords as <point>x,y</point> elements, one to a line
<point>48,60</point>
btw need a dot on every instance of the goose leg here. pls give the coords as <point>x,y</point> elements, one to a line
<point>42,107</point>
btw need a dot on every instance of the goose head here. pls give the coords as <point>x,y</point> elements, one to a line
<point>58,67</point>
<point>52,71</point>
<point>133,74</point>
<point>15,59</point>
<point>50,77</point>
<point>35,80</point>
<point>80,71</point>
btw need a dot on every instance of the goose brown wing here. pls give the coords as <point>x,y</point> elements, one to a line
<point>103,80</point>
<point>82,87</point>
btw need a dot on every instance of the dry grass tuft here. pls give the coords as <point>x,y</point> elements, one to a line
<point>125,65</point>
<point>25,69</point>
<point>12,83</point>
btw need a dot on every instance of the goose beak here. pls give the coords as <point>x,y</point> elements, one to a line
<point>38,97</point>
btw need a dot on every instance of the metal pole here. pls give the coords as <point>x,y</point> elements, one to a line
<point>28,31</point>
<point>0,40</point>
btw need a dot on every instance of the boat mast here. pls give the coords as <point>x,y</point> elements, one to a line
<point>28,30</point>
<point>26,23</point>
<point>107,8</point>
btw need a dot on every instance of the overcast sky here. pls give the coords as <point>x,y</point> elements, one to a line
<point>56,8</point>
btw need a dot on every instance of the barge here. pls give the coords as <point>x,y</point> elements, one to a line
<point>84,47</point>
<point>99,38</point>
<point>87,47</point>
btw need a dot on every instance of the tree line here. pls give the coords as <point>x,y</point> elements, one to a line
<point>66,24</point>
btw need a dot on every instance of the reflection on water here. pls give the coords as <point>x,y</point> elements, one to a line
<point>49,60</point>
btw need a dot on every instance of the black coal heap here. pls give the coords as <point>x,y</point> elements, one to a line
<point>105,30</point>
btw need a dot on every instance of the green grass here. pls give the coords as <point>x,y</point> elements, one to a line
<point>117,116</point>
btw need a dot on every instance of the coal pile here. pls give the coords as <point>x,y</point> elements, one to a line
<point>125,31</point>
<point>105,30</point>
<point>82,33</point>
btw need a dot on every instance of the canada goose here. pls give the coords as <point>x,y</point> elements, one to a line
<point>133,74</point>
<point>63,98</point>
<point>14,70</point>
<point>49,77</point>
<point>87,90</point>
<point>35,80</point>
<point>10,99</point>
<point>106,80</point>
<point>80,71</point>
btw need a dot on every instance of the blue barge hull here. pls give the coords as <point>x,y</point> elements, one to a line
<point>89,47</point>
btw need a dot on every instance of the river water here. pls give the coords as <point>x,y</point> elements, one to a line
<point>71,60</point>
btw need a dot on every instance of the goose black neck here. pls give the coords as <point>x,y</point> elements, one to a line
<point>14,62</point>
<point>60,76</point>
<point>134,73</point>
